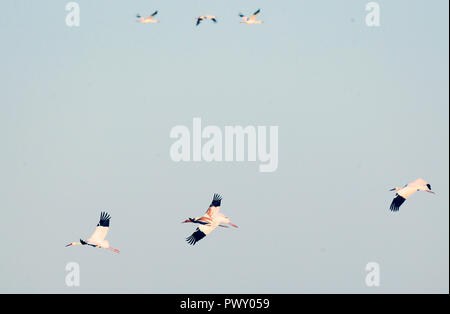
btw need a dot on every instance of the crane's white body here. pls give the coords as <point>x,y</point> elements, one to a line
<point>407,191</point>
<point>98,237</point>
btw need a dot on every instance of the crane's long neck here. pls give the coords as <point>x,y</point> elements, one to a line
<point>74,243</point>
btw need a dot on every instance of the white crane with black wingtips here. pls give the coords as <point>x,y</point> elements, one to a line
<point>409,189</point>
<point>97,239</point>
<point>212,219</point>
<point>252,19</point>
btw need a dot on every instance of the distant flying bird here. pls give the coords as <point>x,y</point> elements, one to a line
<point>209,221</point>
<point>407,191</point>
<point>252,19</point>
<point>147,20</point>
<point>204,18</point>
<point>97,239</point>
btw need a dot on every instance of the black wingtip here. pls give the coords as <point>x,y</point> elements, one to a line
<point>217,200</point>
<point>394,208</point>
<point>104,219</point>
<point>195,237</point>
<point>396,203</point>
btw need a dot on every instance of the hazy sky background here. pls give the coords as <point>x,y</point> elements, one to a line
<point>85,116</point>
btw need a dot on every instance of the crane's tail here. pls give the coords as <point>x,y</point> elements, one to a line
<point>114,250</point>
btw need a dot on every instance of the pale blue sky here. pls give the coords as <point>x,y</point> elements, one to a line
<point>85,116</point>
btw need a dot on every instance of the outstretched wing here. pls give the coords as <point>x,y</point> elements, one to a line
<point>199,20</point>
<point>253,17</point>
<point>200,233</point>
<point>241,15</point>
<point>154,13</point>
<point>214,208</point>
<point>214,20</point>
<point>195,237</point>
<point>397,202</point>
<point>102,229</point>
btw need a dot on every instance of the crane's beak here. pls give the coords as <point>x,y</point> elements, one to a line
<point>431,192</point>
<point>392,189</point>
<point>70,244</point>
<point>186,221</point>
